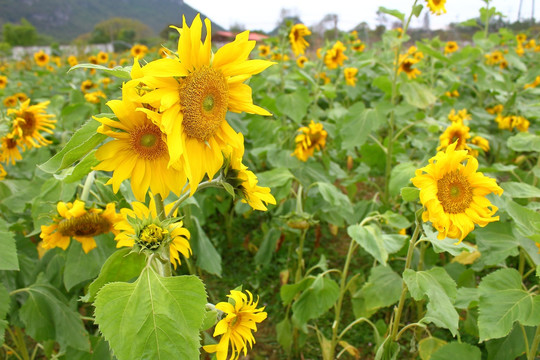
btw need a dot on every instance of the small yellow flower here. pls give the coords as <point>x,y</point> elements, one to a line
<point>350,76</point>
<point>358,45</point>
<point>481,142</point>
<point>406,65</point>
<point>301,61</point>
<point>264,50</point>
<point>102,57</point>
<point>453,193</point>
<point>95,97</point>
<point>436,6</point>
<point>3,81</point>
<point>324,77</point>
<point>72,60</point>
<point>236,327</point>
<point>460,116</point>
<point>335,56</point>
<point>494,58</point>
<point>451,47</point>
<point>311,138</point>
<point>497,109</point>
<point>10,101</point>
<point>296,38</point>
<point>456,134</point>
<point>92,59</point>
<point>534,84</point>
<point>87,85</point>
<point>521,38</point>
<point>29,121</point>
<point>9,150</point>
<point>139,51</point>
<point>41,58</point>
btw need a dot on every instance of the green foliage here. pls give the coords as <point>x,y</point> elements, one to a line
<point>19,35</point>
<point>503,302</point>
<point>455,350</point>
<point>9,260</point>
<point>4,308</point>
<point>315,300</point>
<point>370,238</point>
<point>382,289</point>
<point>166,312</point>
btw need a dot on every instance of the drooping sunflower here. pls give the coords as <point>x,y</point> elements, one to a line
<point>30,120</point>
<point>3,81</point>
<point>406,65</point>
<point>301,61</point>
<point>41,58</point>
<point>142,228</point>
<point>451,47</point>
<point>311,138</point>
<point>296,38</point>
<point>436,6</point>
<point>9,150</point>
<point>458,134</point>
<point>74,221</point>
<point>193,94</point>
<point>245,182</point>
<point>335,56</point>
<point>350,76</point>
<point>453,193</point>
<point>138,152</point>
<point>236,327</point>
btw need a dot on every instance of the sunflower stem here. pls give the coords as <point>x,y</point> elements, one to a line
<point>160,208</point>
<point>410,252</point>
<point>206,184</point>
<point>88,185</point>
<point>534,346</point>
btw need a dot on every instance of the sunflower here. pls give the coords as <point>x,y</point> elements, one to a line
<point>9,150</point>
<point>87,85</point>
<point>95,97</point>
<point>457,133</point>
<point>350,76</point>
<point>358,45</point>
<point>139,50</point>
<point>264,50</point>
<point>497,109</point>
<point>511,122</point>
<point>323,77</point>
<point>139,152</point>
<point>193,94</point>
<point>406,65</point>
<point>296,37</point>
<point>2,172</point>
<point>520,38</point>
<point>240,319</point>
<point>245,182</point>
<point>460,116</point>
<point>532,85</point>
<point>102,57</point>
<point>451,94</point>
<point>311,138</point>
<point>436,6</point>
<point>3,81</point>
<point>41,58</point>
<point>74,221</point>
<point>453,193</point>
<point>494,58</point>
<point>92,59</point>
<point>72,60</point>
<point>30,120</point>
<point>21,97</point>
<point>481,142</point>
<point>142,228</point>
<point>451,47</point>
<point>335,56</point>
<point>301,61</point>
<point>531,44</point>
<point>10,101</point>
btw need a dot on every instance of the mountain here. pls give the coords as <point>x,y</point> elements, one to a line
<point>64,20</point>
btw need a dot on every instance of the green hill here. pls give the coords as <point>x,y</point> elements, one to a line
<point>64,20</point>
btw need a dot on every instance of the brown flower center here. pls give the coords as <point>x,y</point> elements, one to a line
<point>146,141</point>
<point>454,192</point>
<point>204,95</point>
<point>29,124</point>
<point>90,224</point>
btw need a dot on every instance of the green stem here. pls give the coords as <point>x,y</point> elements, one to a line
<point>21,345</point>
<point>486,26</point>
<point>18,291</point>
<point>160,208</point>
<point>342,290</point>
<point>534,346</point>
<point>12,350</point>
<point>410,252</point>
<point>206,184</point>
<point>525,340</point>
<point>358,321</point>
<point>88,185</point>
<point>521,266</point>
<point>300,254</point>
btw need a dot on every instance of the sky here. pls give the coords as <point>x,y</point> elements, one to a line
<point>264,15</point>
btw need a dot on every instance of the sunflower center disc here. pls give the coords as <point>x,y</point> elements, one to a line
<point>454,192</point>
<point>204,98</point>
<point>148,140</point>
<point>147,143</point>
<point>90,224</point>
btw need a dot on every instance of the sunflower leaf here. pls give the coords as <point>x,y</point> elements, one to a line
<point>119,71</point>
<point>382,289</point>
<point>317,299</point>
<point>396,13</point>
<point>152,318</point>
<point>503,301</point>
<point>441,290</point>
<point>417,95</point>
<point>4,308</point>
<point>455,350</point>
<point>9,259</point>
<point>370,238</point>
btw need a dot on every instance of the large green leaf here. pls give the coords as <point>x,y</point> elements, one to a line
<point>520,190</point>
<point>401,176</point>
<point>369,237</point>
<point>527,220</point>
<point>503,301</point>
<point>9,259</point>
<point>382,289</point>
<point>524,141</point>
<point>418,95</point>
<point>268,247</point>
<point>289,291</point>
<point>294,105</point>
<point>427,346</point>
<point>123,265</point>
<point>496,242</point>
<point>511,346</point>
<point>445,245</point>
<point>48,317</point>
<point>455,350</point>
<point>275,177</point>
<point>393,12</point>
<point>81,266</point>
<point>4,308</point>
<point>80,144</point>
<point>207,256</point>
<point>316,299</point>
<point>441,290</point>
<point>359,123</point>
<point>152,318</point>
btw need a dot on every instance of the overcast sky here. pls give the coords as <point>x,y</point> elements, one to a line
<point>257,14</point>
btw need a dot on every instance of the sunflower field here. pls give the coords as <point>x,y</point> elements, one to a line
<point>274,200</point>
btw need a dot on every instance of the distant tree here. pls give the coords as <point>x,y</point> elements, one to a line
<point>237,27</point>
<point>20,35</point>
<point>124,29</point>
